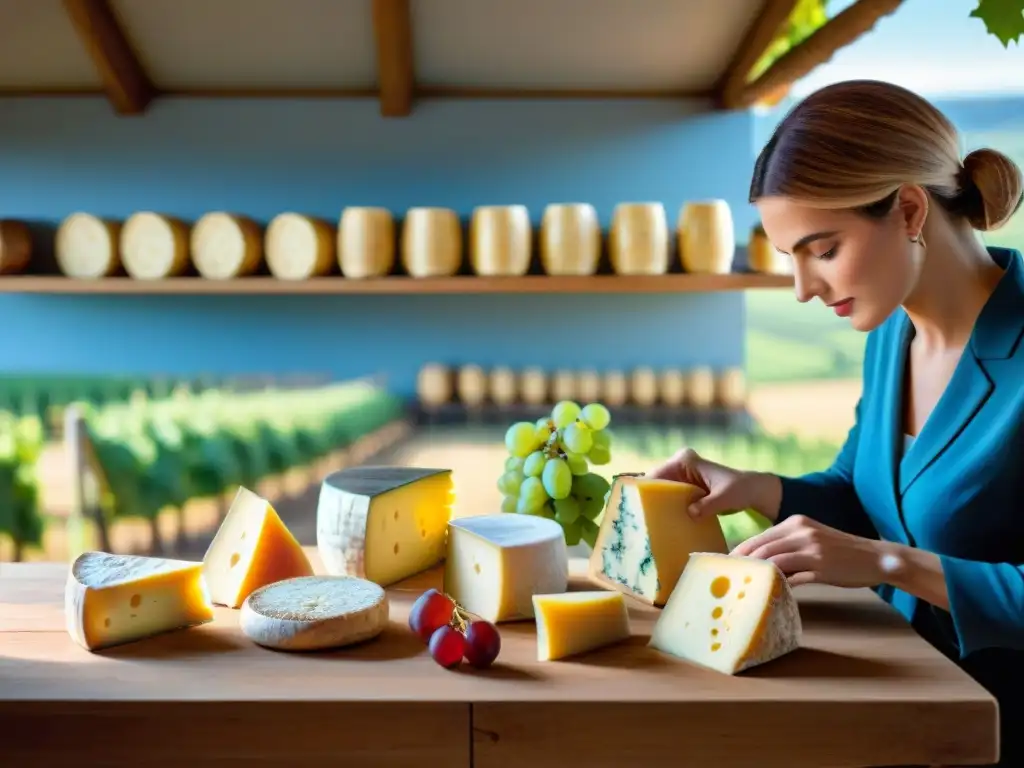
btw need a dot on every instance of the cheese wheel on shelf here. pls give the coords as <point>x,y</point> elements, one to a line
<point>588,386</point>
<point>499,240</point>
<point>434,384</point>
<point>15,246</point>
<point>366,242</point>
<point>471,385</point>
<point>88,247</point>
<point>563,386</point>
<point>731,389</point>
<point>431,242</point>
<point>570,239</point>
<point>639,239</point>
<point>707,241</point>
<point>154,246</point>
<point>299,247</point>
<point>764,257</point>
<point>614,388</point>
<point>314,613</point>
<point>700,387</point>
<point>672,387</point>
<point>643,386</point>
<point>533,386</point>
<point>226,245</point>
<point>501,385</point>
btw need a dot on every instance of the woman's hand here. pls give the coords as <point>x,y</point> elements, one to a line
<point>807,551</point>
<point>725,489</point>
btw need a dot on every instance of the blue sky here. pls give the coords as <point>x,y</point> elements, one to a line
<point>933,47</point>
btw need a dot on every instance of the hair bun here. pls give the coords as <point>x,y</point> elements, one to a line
<point>992,189</point>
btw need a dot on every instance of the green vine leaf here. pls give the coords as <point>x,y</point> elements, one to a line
<point>1002,18</point>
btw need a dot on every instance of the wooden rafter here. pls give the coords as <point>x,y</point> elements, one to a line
<point>392,26</point>
<point>846,27</point>
<point>755,42</point>
<point>125,81</point>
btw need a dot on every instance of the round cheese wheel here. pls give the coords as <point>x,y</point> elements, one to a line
<point>700,387</point>
<point>299,247</point>
<point>154,246</point>
<point>588,386</point>
<point>763,257</point>
<point>471,385</point>
<point>570,239</point>
<point>563,385</point>
<point>15,246</point>
<point>500,239</point>
<point>431,242</point>
<point>311,613</point>
<point>614,388</point>
<point>643,386</point>
<point>707,242</point>
<point>672,387</point>
<point>88,247</point>
<point>434,384</point>
<point>501,385</point>
<point>226,245</point>
<point>731,389</point>
<point>366,242</point>
<point>639,239</point>
<point>533,386</point>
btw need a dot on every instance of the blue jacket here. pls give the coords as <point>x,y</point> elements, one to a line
<point>957,490</point>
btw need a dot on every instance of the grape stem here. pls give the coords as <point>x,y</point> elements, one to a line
<point>460,616</point>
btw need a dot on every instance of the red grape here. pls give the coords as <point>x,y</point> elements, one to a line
<point>447,646</point>
<point>483,643</point>
<point>431,611</point>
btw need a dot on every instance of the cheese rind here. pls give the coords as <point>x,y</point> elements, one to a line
<point>252,548</point>
<point>314,613</point>
<point>729,613</point>
<point>383,524</point>
<point>115,599</point>
<point>647,535</point>
<point>495,564</point>
<point>572,623</point>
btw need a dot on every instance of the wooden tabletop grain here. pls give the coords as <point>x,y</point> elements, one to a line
<point>864,690</point>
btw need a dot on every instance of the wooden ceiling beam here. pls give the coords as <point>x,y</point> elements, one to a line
<point>760,34</point>
<point>125,81</point>
<point>838,32</point>
<point>392,27</point>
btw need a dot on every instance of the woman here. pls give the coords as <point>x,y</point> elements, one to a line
<point>862,184</point>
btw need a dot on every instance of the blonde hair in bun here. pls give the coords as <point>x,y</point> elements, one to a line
<point>854,144</point>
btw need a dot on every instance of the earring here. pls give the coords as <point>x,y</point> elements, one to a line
<point>919,239</point>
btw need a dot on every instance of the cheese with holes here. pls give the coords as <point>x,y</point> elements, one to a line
<point>114,599</point>
<point>495,564</point>
<point>647,536</point>
<point>577,622</point>
<point>314,613</point>
<point>383,523</point>
<point>729,613</point>
<point>252,548</point>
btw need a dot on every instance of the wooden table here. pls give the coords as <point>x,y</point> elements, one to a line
<point>864,691</point>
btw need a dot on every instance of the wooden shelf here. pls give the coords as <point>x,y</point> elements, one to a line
<point>674,283</point>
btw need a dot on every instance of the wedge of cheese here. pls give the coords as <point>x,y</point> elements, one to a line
<point>495,564</point>
<point>647,536</point>
<point>729,613</point>
<point>115,599</point>
<point>252,548</point>
<point>577,622</point>
<point>314,613</point>
<point>383,523</point>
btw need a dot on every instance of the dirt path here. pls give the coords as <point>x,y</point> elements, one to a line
<point>813,409</point>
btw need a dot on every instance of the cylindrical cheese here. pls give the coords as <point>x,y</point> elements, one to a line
<point>299,247</point>
<point>639,240</point>
<point>431,242</point>
<point>499,240</point>
<point>533,386</point>
<point>15,246</point>
<point>731,389</point>
<point>643,386</point>
<point>501,385</point>
<point>366,242</point>
<point>588,386</point>
<point>87,246</point>
<point>707,242</point>
<point>226,245</point>
<point>614,388</point>
<point>434,384</point>
<point>570,239</point>
<point>471,385</point>
<point>763,257</point>
<point>563,386</point>
<point>700,387</point>
<point>154,246</point>
<point>672,387</point>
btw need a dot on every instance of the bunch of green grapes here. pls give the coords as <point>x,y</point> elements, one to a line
<point>548,470</point>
